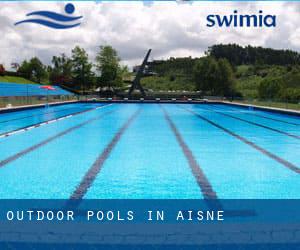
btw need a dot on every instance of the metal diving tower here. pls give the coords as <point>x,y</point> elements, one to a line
<point>136,82</point>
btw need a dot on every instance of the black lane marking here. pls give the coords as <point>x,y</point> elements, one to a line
<point>266,117</point>
<point>94,170</point>
<point>50,139</point>
<point>256,124</point>
<point>38,114</point>
<point>201,179</point>
<point>283,162</point>
<point>273,119</point>
<point>49,121</point>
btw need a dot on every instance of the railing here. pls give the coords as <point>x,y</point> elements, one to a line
<point>188,96</point>
<point>14,101</point>
<point>287,104</point>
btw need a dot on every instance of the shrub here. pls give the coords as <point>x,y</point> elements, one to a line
<point>172,78</point>
<point>269,88</point>
<point>290,95</point>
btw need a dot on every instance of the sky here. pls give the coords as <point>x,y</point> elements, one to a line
<point>171,29</point>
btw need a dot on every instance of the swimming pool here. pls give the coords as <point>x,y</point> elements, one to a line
<point>172,151</point>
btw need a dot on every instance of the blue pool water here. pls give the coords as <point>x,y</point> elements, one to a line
<point>149,151</point>
<point>17,120</point>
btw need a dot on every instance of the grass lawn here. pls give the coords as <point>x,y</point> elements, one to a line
<point>15,79</point>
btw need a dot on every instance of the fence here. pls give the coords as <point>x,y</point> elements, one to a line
<point>14,94</point>
<point>287,104</point>
<point>27,98</point>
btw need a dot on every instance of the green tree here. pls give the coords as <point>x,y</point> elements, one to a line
<point>270,88</point>
<point>61,71</point>
<point>38,70</point>
<point>213,76</point>
<point>224,83</point>
<point>238,55</point>
<point>108,65</point>
<point>25,69</point>
<point>81,69</point>
<point>205,74</point>
<point>33,70</point>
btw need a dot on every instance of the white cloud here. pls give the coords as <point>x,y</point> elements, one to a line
<point>170,29</point>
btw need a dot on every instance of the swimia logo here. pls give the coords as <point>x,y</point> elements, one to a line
<point>239,20</point>
<point>54,20</point>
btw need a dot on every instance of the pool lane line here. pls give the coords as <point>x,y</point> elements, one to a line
<point>262,116</point>
<point>29,127</point>
<point>273,119</point>
<point>38,114</point>
<point>201,179</point>
<point>23,129</point>
<point>50,139</point>
<point>256,124</point>
<point>280,160</point>
<point>94,170</point>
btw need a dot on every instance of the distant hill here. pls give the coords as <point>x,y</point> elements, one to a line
<point>259,73</point>
<point>239,55</point>
<point>274,82</point>
<point>172,74</point>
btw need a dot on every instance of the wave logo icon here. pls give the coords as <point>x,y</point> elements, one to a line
<point>54,20</point>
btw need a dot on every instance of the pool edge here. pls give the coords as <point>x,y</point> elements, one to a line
<point>34,106</point>
<point>263,108</point>
<point>242,105</point>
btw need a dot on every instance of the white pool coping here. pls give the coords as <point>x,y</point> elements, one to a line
<point>16,108</point>
<point>263,107</point>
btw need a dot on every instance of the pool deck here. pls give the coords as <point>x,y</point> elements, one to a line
<point>19,108</point>
<point>263,108</point>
